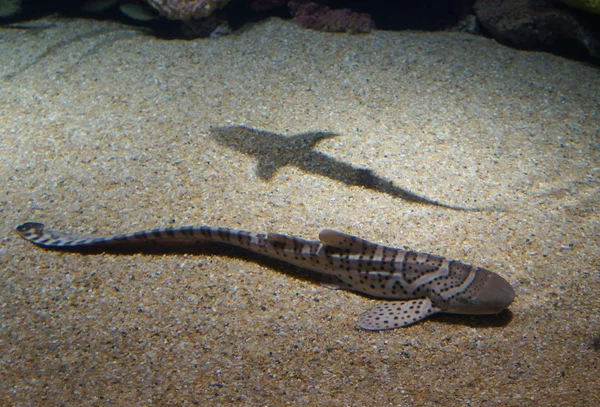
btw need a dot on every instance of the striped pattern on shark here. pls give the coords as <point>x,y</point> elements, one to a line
<point>415,285</point>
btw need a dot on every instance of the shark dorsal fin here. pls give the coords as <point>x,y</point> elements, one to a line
<point>341,240</point>
<point>278,237</point>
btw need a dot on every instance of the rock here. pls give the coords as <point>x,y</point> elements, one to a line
<point>591,6</point>
<point>187,9</point>
<point>138,11</point>
<point>9,8</point>
<point>314,15</point>
<point>540,24</point>
<point>213,26</point>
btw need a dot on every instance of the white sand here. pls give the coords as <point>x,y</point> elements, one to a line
<point>106,130</point>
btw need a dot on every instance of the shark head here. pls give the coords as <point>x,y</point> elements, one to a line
<point>489,293</point>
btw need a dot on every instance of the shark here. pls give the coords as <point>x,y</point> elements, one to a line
<point>409,285</point>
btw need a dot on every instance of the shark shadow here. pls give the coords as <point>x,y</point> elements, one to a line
<point>274,151</point>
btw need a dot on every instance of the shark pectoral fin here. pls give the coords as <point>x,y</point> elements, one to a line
<point>341,240</point>
<point>396,314</point>
<point>266,169</point>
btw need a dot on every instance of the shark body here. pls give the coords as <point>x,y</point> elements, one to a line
<point>414,285</point>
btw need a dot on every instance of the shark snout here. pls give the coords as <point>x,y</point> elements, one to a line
<point>495,295</point>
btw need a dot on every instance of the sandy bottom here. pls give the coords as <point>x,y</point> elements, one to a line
<point>105,129</point>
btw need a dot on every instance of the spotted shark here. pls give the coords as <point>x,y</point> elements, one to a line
<point>413,285</point>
